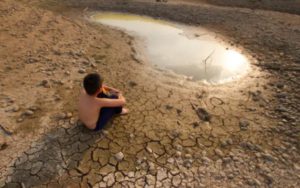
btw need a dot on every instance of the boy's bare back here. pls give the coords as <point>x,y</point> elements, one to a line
<point>89,110</point>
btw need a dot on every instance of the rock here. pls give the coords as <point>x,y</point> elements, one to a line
<point>56,97</point>
<point>3,145</point>
<point>131,135</point>
<point>243,125</point>
<point>178,154</point>
<point>139,161</point>
<point>281,95</point>
<point>219,152</point>
<point>226,159</point>
<point>33,108</point>
<point>195,124</point>
<point>69,114</point>
<point>230,176</point>
<point>206,160</point>
<point>119,156</point>
<point>132,83</point>
<point>169,107</point>
<point>296,167</point>
<point>61,116</point>
<point>253,182</point>
<point>178,147</point>
<point>19,120</point>
<point>73,121</point>
<point>188,156</point>
<point>81,71</point>
<point>105,132</point>
<point>93,65</point>
<point>229,141</point>
<point>268,157</point>
<point>45,83</point>
<point>223,143</point>
<point>16,108</point>
<point>58,82</point>
<point>269,179</point>
<point>188,150</point>
<point>174,134</point>
<point>280,85</point>
<point>156,148</point>
<point>247,145</point>
<point>258,155</point>
<point>178,111</point>
<point>28,113</point>
<point>149,150</point>
<point>280,109</point>
<point>188,163</point>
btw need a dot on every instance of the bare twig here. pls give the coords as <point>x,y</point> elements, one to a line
<point>5,132</point>
<point>206,59</point>
<point>201,113</point>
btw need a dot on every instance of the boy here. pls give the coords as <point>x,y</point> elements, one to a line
<point>99,103</point>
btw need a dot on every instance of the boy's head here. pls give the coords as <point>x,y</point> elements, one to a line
<point>92,82</point>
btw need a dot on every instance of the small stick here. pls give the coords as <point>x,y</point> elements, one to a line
<point>6,132</point>
<point>205,60</point>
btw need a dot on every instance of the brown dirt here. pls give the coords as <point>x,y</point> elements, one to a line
<point>50,42</point>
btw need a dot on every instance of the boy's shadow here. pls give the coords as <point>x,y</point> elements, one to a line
<point>51,156</point>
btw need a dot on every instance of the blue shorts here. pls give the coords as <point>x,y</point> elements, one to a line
<point>106,113</point>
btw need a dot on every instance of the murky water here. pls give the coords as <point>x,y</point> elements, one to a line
<point>171,46</point>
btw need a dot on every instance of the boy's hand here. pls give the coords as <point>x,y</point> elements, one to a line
<point>111,89</point>
<point>115,93</point>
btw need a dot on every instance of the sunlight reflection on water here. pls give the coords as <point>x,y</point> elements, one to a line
<point>169,47</point>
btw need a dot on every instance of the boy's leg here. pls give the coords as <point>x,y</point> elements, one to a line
<point>107,113</point>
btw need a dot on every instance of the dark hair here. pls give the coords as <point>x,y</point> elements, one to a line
<point>92,82</point>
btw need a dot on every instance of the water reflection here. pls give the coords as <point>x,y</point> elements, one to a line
<point>168,46</point>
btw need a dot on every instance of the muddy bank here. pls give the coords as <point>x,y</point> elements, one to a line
<point>292,6</point>
<point>263,32</point>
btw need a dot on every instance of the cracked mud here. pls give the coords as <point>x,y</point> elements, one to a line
<point>178,134</point>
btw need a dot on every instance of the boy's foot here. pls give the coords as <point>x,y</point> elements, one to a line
<point>124,111</point>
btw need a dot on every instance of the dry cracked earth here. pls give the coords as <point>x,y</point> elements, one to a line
<point>179,133</point>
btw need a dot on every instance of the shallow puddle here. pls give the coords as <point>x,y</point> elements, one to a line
<point>171,46</point>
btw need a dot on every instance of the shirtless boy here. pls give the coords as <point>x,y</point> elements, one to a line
<point>99,103</point>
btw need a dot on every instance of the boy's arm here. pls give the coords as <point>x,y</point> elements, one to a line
<point>105,102</point>
<point>111,88</point>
